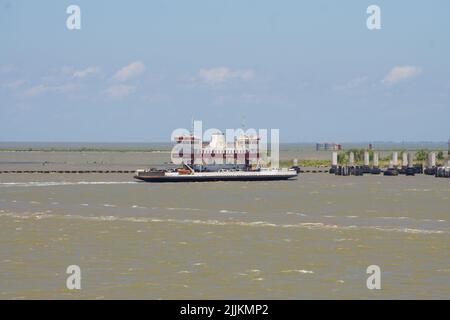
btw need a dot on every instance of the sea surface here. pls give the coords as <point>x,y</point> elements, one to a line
<point>310,238</point>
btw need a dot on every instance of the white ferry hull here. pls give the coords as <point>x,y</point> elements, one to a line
<point>218,176</point>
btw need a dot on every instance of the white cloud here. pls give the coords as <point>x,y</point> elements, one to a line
<point>129,71</point>
<point>12,85</point>
<point>42,89</point>
<point>401,73</point>
<point>85,72</point>
<point>36,90</point>
<point>352,84</point>
<point>220,75</point>
<point>120,91</point>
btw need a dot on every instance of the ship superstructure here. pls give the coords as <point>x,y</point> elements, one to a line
<point>243,153</point>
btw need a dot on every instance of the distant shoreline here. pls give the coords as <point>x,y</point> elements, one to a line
<point>168,149</point>
<point>85,150</point>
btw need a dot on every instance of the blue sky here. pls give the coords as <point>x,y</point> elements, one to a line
<point>139,69</point>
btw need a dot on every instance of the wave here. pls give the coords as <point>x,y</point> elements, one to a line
<point>175,209</point>
<point>209,222</point>
<point>297,271</point>
<point>231,211</point>
<point>297,214</point>
<point>411,219</point>
<point>138,207</point>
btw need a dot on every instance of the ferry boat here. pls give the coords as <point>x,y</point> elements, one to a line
<point>189,175</point>
<point>217,161</point>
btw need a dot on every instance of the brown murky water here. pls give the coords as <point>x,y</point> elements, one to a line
<point>309,238</point>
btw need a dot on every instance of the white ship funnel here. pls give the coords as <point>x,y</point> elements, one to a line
<point>217,141</point>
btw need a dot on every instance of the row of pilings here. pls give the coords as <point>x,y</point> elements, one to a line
<point>66,171</point>
<point>443,172</point>
<point>407,168</point>
<point>354,170</point>
<point>439,172</point>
